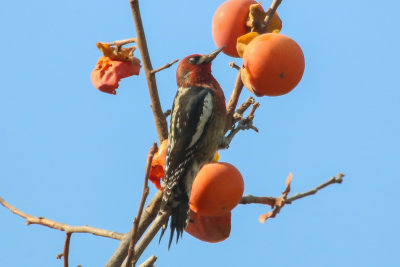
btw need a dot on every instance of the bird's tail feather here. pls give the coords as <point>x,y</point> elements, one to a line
<point>164,227</point>
<point>179,220</point>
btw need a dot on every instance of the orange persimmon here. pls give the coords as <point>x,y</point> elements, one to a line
<point>209,229</point>
<point>217,189</point>
<point>229,22</point>
<point>273,64</point>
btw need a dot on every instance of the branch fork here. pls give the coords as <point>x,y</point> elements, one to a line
<point>241,122</point>
<point>277,203</point>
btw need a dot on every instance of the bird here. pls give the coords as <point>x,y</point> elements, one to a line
<point>197,128</point>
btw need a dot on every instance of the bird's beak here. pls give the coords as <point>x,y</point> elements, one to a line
<point>210,57</point>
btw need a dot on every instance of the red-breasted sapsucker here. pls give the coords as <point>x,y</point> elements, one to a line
<point>196,129</point>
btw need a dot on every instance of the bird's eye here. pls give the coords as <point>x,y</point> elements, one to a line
<point>193,60</point>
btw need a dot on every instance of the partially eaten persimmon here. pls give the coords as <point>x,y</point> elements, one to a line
<point>107,73</point>
<point>157,165</point>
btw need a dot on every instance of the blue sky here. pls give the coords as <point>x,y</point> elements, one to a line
<point>73,154</point>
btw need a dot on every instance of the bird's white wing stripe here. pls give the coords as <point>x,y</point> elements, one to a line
<point>171,138</point>
<point>204,117</point>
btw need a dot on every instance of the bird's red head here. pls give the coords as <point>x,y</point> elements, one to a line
<point>195,70</point>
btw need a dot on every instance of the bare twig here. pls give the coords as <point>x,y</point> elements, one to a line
<point>278,202</point>
<point>149,262</point>
<point>230,108</point>
<point>165,66</point>
<point>250,199</point>
<point>167,113</point>
<point>238,115</point>
<point>244,123</point>
<point>65,253</point>
<point>162,131</point>
<point>66,248</point>
<point>120,43</point>
<point>149,213</point>
<point>334,180</point>
<point>274,6</point>
<point>151,232</point>
<point>136,222</point>
<point>234,66</point>
<point>30,219</point>
<point>253,109</point>
<point>159,118</point>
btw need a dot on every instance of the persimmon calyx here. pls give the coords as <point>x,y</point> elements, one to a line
<point>256,20</point>
<point>243,41</point>
<point>117,52</point>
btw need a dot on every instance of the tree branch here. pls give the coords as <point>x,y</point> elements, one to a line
<point>165,66</point>
<point>278,202</point>
<point>159,118</point>
<point>244,123</point>
<point>232,103</point>
<point>30,219</point>
<point>162,131</point>
<point>149,262</point>
<point>66,249</point>
<point>136,222</point>
<point>274,6</point>
<point>234,66</point>
<point>250,199</point>
<point>120,43</point>
<point>149,213</point>
<point>334,180</point>
<point>167,113</point>
<point>150,234</point>
<point>238,115</point>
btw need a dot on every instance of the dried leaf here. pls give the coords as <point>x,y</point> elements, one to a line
<point>117,53</point>
<point>275,25</point>
<point>256,17</point>
<point>243,41</point>
<point>256,20</point>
